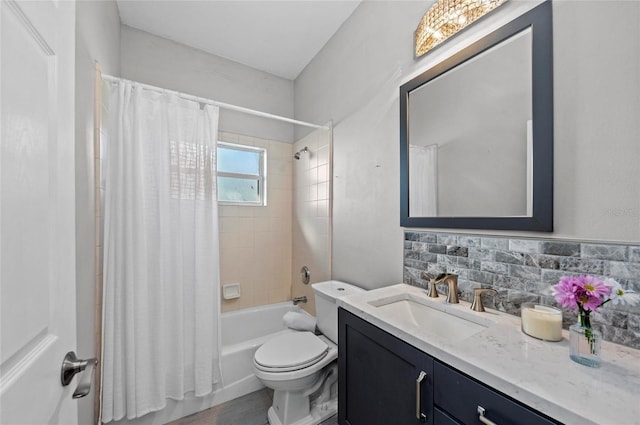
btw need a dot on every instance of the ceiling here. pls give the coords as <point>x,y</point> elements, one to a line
<point>279,37</point>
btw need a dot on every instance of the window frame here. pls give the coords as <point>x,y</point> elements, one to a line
<point>261,177</point>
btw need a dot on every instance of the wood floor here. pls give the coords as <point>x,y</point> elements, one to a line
<point>250,409</point>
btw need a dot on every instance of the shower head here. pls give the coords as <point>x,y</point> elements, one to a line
<point>303,150</point>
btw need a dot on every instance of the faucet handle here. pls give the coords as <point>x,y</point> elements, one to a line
<point>432,291</point>
<point>477,298</point>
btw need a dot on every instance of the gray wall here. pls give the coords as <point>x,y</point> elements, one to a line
<point>97,39</point>
<point>164,63</point>
<point>354,80</point>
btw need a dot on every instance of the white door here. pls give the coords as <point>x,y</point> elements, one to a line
<point>37,230</point>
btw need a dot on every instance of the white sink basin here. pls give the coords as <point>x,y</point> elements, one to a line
<point>435,319</point>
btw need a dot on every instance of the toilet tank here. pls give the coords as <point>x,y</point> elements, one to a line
<point>326,294</point>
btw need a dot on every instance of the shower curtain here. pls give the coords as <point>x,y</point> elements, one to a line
<point>423,181</point>
<point>161,254</point>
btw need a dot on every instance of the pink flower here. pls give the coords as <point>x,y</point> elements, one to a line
<point>589,302</point>
<point>593,286</point>
<point>565,292</point>
<point>591,292</point>
<point>587,293</point>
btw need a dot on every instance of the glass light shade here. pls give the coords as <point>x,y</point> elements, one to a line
<point>446,17</point>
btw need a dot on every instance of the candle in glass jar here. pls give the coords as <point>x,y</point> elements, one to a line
<point>541,321</point>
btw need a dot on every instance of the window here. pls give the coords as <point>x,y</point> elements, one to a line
<point>241,174</point>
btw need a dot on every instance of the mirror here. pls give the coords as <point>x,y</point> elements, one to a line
<point>454,134</point>
<point>477,133</point>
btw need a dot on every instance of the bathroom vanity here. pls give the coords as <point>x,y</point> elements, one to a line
<point>383,371</point>
<point>408,359</point>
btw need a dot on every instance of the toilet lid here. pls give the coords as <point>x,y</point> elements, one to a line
<point>291,351</point>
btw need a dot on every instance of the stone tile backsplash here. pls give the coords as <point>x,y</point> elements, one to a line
<point>523,270</point>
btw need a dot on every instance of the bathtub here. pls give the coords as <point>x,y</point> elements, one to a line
<point>243,332</point>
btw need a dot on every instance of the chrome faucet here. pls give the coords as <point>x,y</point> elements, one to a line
<point>477,298</point>
<point>298,300</point>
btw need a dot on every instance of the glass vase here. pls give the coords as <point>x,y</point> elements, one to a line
<point>584,342</point>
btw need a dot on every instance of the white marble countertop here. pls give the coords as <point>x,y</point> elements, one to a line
<point>534,372</point>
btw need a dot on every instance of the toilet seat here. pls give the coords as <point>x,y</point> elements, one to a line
<point>289,352</point>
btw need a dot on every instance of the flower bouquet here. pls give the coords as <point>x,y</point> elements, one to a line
<point>586,294</point>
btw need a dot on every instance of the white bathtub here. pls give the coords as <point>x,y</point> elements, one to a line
<point>243,331</point>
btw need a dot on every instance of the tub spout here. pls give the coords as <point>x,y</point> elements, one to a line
<point>298,300</point>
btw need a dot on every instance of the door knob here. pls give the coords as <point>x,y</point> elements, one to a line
<point>71,366</point>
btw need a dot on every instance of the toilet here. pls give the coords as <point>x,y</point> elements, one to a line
<point>302,367</point>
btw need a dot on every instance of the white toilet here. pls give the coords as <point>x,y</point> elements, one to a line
<point>302,367</point>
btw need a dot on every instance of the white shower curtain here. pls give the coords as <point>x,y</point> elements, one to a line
<point>161,253</point>
<point>423,181</point>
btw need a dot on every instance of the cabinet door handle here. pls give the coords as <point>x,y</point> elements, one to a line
<point>419,415</point>
<point>482,418</point>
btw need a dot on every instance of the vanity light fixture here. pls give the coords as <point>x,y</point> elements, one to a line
<point>446,17</point>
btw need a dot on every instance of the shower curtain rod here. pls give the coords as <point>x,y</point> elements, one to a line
<point>216,103</point>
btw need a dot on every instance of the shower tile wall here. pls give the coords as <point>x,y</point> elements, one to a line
<point>311,213</point>
<point>523,270</point>
<point>255,242</point>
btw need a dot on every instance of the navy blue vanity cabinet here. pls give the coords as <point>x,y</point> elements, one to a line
<point>461,400</point>
<point>381,379</point>
<point>443,418</point>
